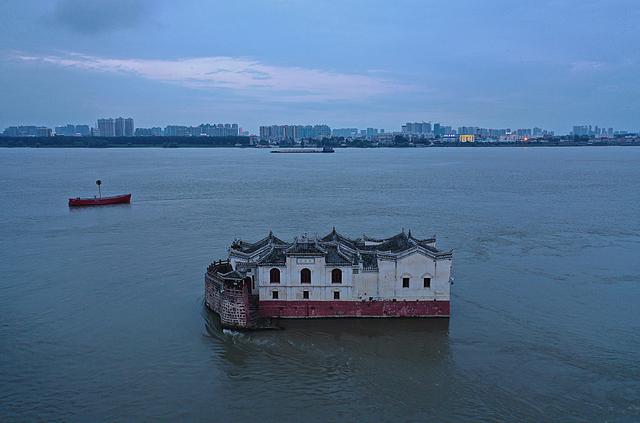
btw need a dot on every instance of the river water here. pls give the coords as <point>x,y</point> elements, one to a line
<point>102,317</point>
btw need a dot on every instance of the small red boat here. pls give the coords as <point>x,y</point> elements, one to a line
<point>99,201</point>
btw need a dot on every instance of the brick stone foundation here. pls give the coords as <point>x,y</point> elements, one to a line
<point>318,309</point>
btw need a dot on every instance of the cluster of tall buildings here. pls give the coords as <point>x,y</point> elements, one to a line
<point>299,132</point>
<point>294,132</point>
<point>355,132</point>
<point>124,127</point>
<point>156,131</point>
<point>345,132</point>
<point>521,133</point>
<point>27,131</point>
<point>426,129</point>
<point>436,130</point>
<point>118,127</point>
<point>416,128</point>
<point>589,131</point>
<point>204,130</point>
<point>73,130</point>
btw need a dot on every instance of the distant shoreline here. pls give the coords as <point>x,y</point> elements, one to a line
<point>244,142</point>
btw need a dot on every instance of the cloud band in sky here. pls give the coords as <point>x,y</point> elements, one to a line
<point>247,76</point>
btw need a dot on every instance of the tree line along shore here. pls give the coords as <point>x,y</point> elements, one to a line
<point>248,142</point>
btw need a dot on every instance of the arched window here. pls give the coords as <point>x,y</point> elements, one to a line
<point>305,276</point>
<point>336,276</point>
<point>274,275</point>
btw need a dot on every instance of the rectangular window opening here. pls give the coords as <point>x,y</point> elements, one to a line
<point>305,295</point>
<point>274,295</point>
<point>336,295</point>
<point>427,282</point>
<point>405,282</point>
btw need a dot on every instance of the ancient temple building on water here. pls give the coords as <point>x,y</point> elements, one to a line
<point>329,277</point>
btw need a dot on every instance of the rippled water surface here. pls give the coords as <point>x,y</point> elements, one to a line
<point>101,310</point>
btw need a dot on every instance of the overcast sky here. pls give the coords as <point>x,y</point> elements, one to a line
<point>361,63</point>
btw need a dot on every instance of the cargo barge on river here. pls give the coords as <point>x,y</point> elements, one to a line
<point>304,150</point>
<point>329,277</point>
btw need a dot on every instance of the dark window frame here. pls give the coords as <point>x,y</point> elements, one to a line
<point>275,295</point>
<point>336,295</point>
<point>273,279</point>
<point>305,276</point>
<point>306,295</point>
<point>406,282</point>
<point>336,276</point>
<point>426,282</point>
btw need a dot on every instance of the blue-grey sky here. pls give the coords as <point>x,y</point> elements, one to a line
<point>362,63</point>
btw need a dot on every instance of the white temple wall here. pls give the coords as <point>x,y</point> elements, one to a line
<point>296,264</point>
<point>347,274</point>
<point>290,287</point>
<point>385,284</point>
<point>415,267</point>
<point>365,285</point>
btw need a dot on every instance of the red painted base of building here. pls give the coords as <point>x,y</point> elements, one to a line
<point>305,309</point>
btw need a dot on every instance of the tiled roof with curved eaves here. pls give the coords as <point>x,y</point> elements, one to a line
<point>337,249</point>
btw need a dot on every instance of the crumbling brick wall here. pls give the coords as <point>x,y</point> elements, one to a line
<point>228,298</point>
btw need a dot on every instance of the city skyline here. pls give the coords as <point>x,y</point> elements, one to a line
<point>116,127</point>
<point>125,127</point>
<point>553,64</point>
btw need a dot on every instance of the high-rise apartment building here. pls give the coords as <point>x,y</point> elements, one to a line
<point>73,130</point>
<point>371,132</point>
<point>128,127</point>
<point>176,131</point>
<point>43,131</point>
<point>220,130</point>
<point>67,130</point>
<point>590,131</point>
<point>148,132</point>
<point>523,132</point>
<point>83,130</point>
<point>27,131</point>
<point>119,127</point>
<point>345,132</point>
<point>294,132</point>
<point>417,128</point>
<point>206,130</point>
<point>467,130</point>
<point>107,127</point>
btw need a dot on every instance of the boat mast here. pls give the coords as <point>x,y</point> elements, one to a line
<point>98,183</point>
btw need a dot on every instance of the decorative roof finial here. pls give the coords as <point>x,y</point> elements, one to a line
<point>409,233</point>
